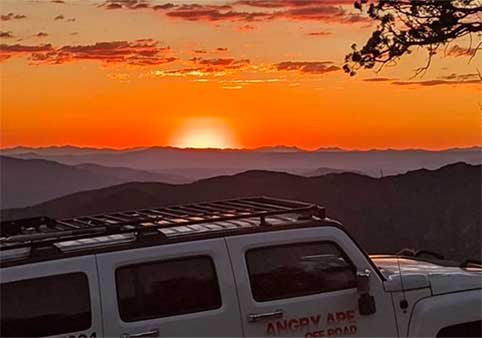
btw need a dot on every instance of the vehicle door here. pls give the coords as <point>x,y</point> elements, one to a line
<point>58,298</point>
<point>182,289</point>
<point>303,282</point>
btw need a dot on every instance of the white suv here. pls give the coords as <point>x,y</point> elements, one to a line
<point>251,267</point>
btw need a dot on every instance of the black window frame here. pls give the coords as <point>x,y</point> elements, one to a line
<point>323,242</point>
<point>169,260</point>
<point>81,274</point>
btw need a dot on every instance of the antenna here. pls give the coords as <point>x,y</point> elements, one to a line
<point>404,301</point>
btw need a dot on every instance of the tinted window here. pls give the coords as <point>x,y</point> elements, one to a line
<point>45,306</point>
<point>470,329</point>
<point>297,270</point>
<point>167,288</point>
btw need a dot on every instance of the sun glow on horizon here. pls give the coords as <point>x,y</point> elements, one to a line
<point>203,133</point>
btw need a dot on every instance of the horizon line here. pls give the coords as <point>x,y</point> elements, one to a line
<point>267,147</point>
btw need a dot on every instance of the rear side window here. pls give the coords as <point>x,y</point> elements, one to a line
<point>45,306</point>
<point>470,329</point>
<point>296,270</point>
<point>167,288</point>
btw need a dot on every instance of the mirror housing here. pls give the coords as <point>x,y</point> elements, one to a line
<point>366,302</point>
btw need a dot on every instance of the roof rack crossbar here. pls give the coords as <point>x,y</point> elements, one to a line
<point>82,221</point>
<point>220,209</point>
<point>249,207</point>
<point>48,230</point>
<point>115,216</point>
<point>261,205</point>
<point>68,224</point>
<point>167,213</point>
<point>230,207</point>
<point>153,213</point>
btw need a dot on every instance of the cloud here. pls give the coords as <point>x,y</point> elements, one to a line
<point>212,13</point>
<point>323,13</point>
<point>12,16</point>
<point>431,83</point>
<point>140,52</point>
<point>246,28</point>
<point>457,51</point>
<point>451,79</point>
<point>192,72</point>
<point>6,35</point>
<point>59,17</point>
<point>307,67</point>
<point>203,51</point>
<point>328,11</point>
<point>291,3</point>
<point>58,1</point>
<point>455,76</point>
<point>322,33</point>
<point>201,67</point>
<point>378,79</point>
<point>125,4</point>
<point>8,51</point>
<point>163,6</point>
<point>223,63</point>
<point>41,34</point>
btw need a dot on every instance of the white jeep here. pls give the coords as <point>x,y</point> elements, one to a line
<point>252,267</point>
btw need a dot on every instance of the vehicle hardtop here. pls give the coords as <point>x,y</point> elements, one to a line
<point>254,267</point>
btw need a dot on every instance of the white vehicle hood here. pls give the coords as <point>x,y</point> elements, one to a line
<point>419,274</point>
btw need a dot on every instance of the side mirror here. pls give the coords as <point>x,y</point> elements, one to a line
<point>366,302</point>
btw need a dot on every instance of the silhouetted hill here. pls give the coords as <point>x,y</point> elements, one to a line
<point>133,175</point>
<point>436,210</point>
<point>324,171</point>
<point>281,158</point>
<point>27,182</point>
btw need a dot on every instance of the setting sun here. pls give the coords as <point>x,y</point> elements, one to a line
<point>204,133</point>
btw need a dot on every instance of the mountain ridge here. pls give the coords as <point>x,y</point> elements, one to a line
<point>436,210</point>
<point>158,159</point>
<point>30,181</point>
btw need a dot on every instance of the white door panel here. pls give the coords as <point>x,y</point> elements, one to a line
<point>222,321</point>
<point>333,313</point>
<point>54,270</point>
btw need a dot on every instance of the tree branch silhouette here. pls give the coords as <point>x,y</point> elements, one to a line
<point>407,24</point>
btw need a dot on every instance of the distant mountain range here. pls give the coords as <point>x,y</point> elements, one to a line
<point>325,171</point>
<point>27,182</point>
<point>202,163</point>
<point>436,210</point>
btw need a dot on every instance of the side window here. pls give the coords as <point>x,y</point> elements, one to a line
<point>470,329</point>
<point>167,288</point>
<point>45,306</point>
<point>296,270</point>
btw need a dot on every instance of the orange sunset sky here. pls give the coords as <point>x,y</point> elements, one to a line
<point>235,73</point>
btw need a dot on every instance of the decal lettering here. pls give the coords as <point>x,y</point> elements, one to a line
<point>339,323</point>
<point>315,319</point>
<point>341,316</point>
<point>350,330</point>
<point>292,325</point>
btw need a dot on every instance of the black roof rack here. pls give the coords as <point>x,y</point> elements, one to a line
<point>204,216</point>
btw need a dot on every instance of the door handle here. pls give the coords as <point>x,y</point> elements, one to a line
<point>152,333</point>
<point>255,317</point>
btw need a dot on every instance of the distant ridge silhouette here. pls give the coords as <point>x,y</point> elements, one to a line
<point>31,181</point>
<point>169,160</point>
<point>437,210</point>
